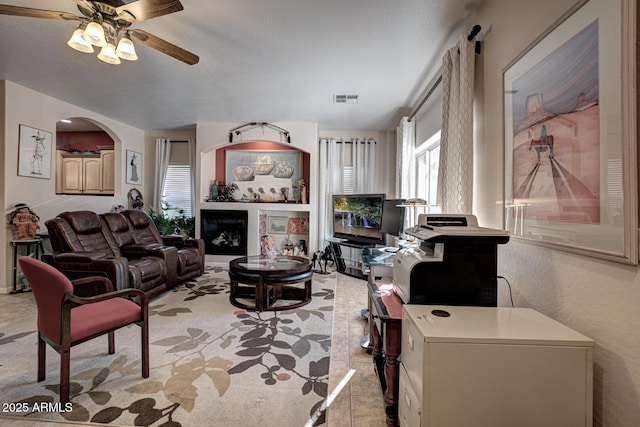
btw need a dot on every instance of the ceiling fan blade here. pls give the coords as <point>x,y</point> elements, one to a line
<point>141,10</point>
<point>35,13</point>
<point>165,47</point>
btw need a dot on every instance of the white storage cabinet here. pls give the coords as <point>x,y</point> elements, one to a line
<point>489,367</point>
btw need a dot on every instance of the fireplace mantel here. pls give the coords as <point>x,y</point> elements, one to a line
<point>253,214</point>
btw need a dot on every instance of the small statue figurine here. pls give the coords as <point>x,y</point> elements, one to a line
<point>284,192</point>
<point>303,192</point>
<point>321,256</point>
<point>23,222</point>
<point>214,190</point>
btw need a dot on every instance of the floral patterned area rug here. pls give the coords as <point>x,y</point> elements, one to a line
<point>212,364</point>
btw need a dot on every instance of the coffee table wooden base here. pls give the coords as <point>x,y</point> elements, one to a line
<point>274,294</point>
<point>268,289</point>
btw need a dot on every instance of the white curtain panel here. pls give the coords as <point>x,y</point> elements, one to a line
<point>455,174</point>
<point>330,183</point>
<point>192,167</point>
<point>364,165</point>
<point>405,159</point>
<point>163,153</point>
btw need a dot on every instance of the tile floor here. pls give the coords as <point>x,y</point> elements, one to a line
<point>358,404</point>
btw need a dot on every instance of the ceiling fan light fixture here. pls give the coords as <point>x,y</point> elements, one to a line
<point>126,49</point>
<point>108,54</point>
<point>78,43</point>
<point>94,34</point>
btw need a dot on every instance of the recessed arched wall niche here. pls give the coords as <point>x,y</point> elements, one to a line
<point>256,164</point>
<point>85,158</point>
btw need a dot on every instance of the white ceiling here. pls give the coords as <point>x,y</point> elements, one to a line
<point>260,61</point>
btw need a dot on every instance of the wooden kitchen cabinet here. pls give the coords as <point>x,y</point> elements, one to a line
<point>86,173</point>
<point>107,158</point>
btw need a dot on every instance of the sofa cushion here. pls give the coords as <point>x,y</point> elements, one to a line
<point>116,222</point>
<point>138,219</point>
<point>83,222</point>
<point>119,228</point>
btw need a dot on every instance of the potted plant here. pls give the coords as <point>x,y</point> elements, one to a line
<point>171,220</point>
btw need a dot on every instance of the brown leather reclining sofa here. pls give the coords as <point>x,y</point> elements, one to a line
<point>110,245</point>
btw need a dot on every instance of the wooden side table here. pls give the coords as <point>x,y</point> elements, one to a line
<point>385,317</point>
<point>31,246</point>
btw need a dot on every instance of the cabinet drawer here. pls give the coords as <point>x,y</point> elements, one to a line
<point>413,354</point>
<point>409,405</point>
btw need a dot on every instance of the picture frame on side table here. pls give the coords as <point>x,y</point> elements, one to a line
<point>570,132</point>
<point>34,152</point>
<point>134,167</point>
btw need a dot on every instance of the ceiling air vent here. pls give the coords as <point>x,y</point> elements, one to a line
<point>345,99</point>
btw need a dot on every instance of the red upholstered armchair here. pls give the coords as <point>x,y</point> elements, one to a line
<point>66,319</point>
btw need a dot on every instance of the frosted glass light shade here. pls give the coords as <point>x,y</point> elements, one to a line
<point>78,43</point>
<point>126,49</point>
<point>108,54</point>
<point>94,34</point>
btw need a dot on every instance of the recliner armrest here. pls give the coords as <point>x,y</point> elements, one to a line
<point>91,286</point>
<point>79,256</point>
<point>180,242</point>
<point>139,250</point>
<point>176,240</point>
<point>74,266</point>
<point>168,253</point>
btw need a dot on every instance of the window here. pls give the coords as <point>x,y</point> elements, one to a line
<point>176,192</point>
<point>427,160</point>
<point>348,179</point>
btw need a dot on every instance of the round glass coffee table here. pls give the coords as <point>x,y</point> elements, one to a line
<point>266,282</point>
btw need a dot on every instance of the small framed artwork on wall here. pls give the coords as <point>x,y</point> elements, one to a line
<point>278,224</point>
<point>134,167</point>
<point>34,153</point>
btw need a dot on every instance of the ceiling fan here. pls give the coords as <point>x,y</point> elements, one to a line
<point>106,23</point>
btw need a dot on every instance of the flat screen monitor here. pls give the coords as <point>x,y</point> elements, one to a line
<point>393,217</point>
<point>358,218</point>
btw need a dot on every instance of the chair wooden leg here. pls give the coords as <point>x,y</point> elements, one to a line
<point>112,342</point>
<point>42,358</point>
<point>65,362</point>
<point>144,333</point>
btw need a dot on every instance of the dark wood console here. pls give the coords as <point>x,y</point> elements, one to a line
<point>385,318</point>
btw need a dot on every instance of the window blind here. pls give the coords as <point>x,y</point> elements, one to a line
<point>177,189</point>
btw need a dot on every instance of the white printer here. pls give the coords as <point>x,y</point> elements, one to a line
<point>454,262</point>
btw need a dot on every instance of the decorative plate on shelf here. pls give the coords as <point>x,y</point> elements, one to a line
<point>283,170</point>
<point>243,173</point>
<point>263,165</point>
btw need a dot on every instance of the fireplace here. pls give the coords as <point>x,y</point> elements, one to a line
<point>224,231</point>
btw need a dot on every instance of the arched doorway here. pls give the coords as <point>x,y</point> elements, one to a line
<point>85,158</point>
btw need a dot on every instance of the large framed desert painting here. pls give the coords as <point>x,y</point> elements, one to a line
<point>570,181</point>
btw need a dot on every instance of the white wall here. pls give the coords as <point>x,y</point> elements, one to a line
<point>601,299</point>
<point>385,150</point>
<point>25,106</point>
